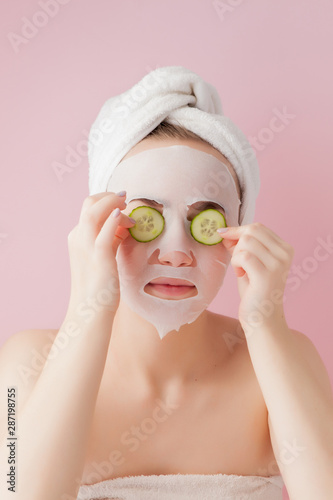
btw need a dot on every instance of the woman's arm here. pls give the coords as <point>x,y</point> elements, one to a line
<point>53,426</point>
<point>292,377</point>
<point>298,396</point>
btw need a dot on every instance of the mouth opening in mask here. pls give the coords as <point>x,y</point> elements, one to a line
<point>171,288</point>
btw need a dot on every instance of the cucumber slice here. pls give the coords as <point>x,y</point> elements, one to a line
<point>149,224</point>
<point>204,225</point>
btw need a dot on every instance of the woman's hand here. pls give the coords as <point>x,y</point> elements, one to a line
<point>93,245</point>
<point>261,261</point>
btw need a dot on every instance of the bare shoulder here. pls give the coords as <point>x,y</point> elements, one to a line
<point>22,343</point>
<point>22,358</point>
<point>309,352</point>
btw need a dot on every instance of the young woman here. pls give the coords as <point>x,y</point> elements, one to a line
<point>219,406</point>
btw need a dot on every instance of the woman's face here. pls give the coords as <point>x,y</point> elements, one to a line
<point>178,182</point>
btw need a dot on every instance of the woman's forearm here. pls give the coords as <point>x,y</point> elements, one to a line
<point>54,424</point>
<point>301,415</point>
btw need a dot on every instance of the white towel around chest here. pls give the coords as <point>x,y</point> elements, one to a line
<point>185,487</point>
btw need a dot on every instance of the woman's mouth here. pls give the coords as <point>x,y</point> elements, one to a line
<point>171,287</point>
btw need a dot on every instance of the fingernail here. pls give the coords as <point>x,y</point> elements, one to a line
<point>116,212</point>
<point>222,229</point>
<point>132,220</point>
<point>121,193</point>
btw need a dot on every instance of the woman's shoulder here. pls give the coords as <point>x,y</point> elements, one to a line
<point>32,336</point>
<point>22,358</point>
<point>24,342</point>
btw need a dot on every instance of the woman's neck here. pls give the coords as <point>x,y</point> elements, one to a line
<point>160,366</point>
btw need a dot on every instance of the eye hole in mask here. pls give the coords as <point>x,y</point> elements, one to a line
<point>150,224</point>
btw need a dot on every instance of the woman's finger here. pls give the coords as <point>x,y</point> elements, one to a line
<point>275,245</point>
<point>113,231</point>
<point>256,248</point>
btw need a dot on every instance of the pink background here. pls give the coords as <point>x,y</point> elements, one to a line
<point>261,57</point>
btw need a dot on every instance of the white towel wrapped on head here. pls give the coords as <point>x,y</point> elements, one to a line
<point>181,97</point>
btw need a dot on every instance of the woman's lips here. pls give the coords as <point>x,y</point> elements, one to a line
<point>171,287</point>
<point>170,281</point>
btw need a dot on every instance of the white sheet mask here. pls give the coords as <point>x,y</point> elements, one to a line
<point>175,176</point>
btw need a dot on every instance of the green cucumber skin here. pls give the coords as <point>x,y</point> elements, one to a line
<point>132,228</point>
<point>200,215</point>
<point>191,227</point>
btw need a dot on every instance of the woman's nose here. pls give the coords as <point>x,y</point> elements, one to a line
<point>175,258</point>
<point>174,245</point>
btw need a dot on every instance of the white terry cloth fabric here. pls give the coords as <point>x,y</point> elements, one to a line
<point>180,97</point>
<point>185,487</point>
